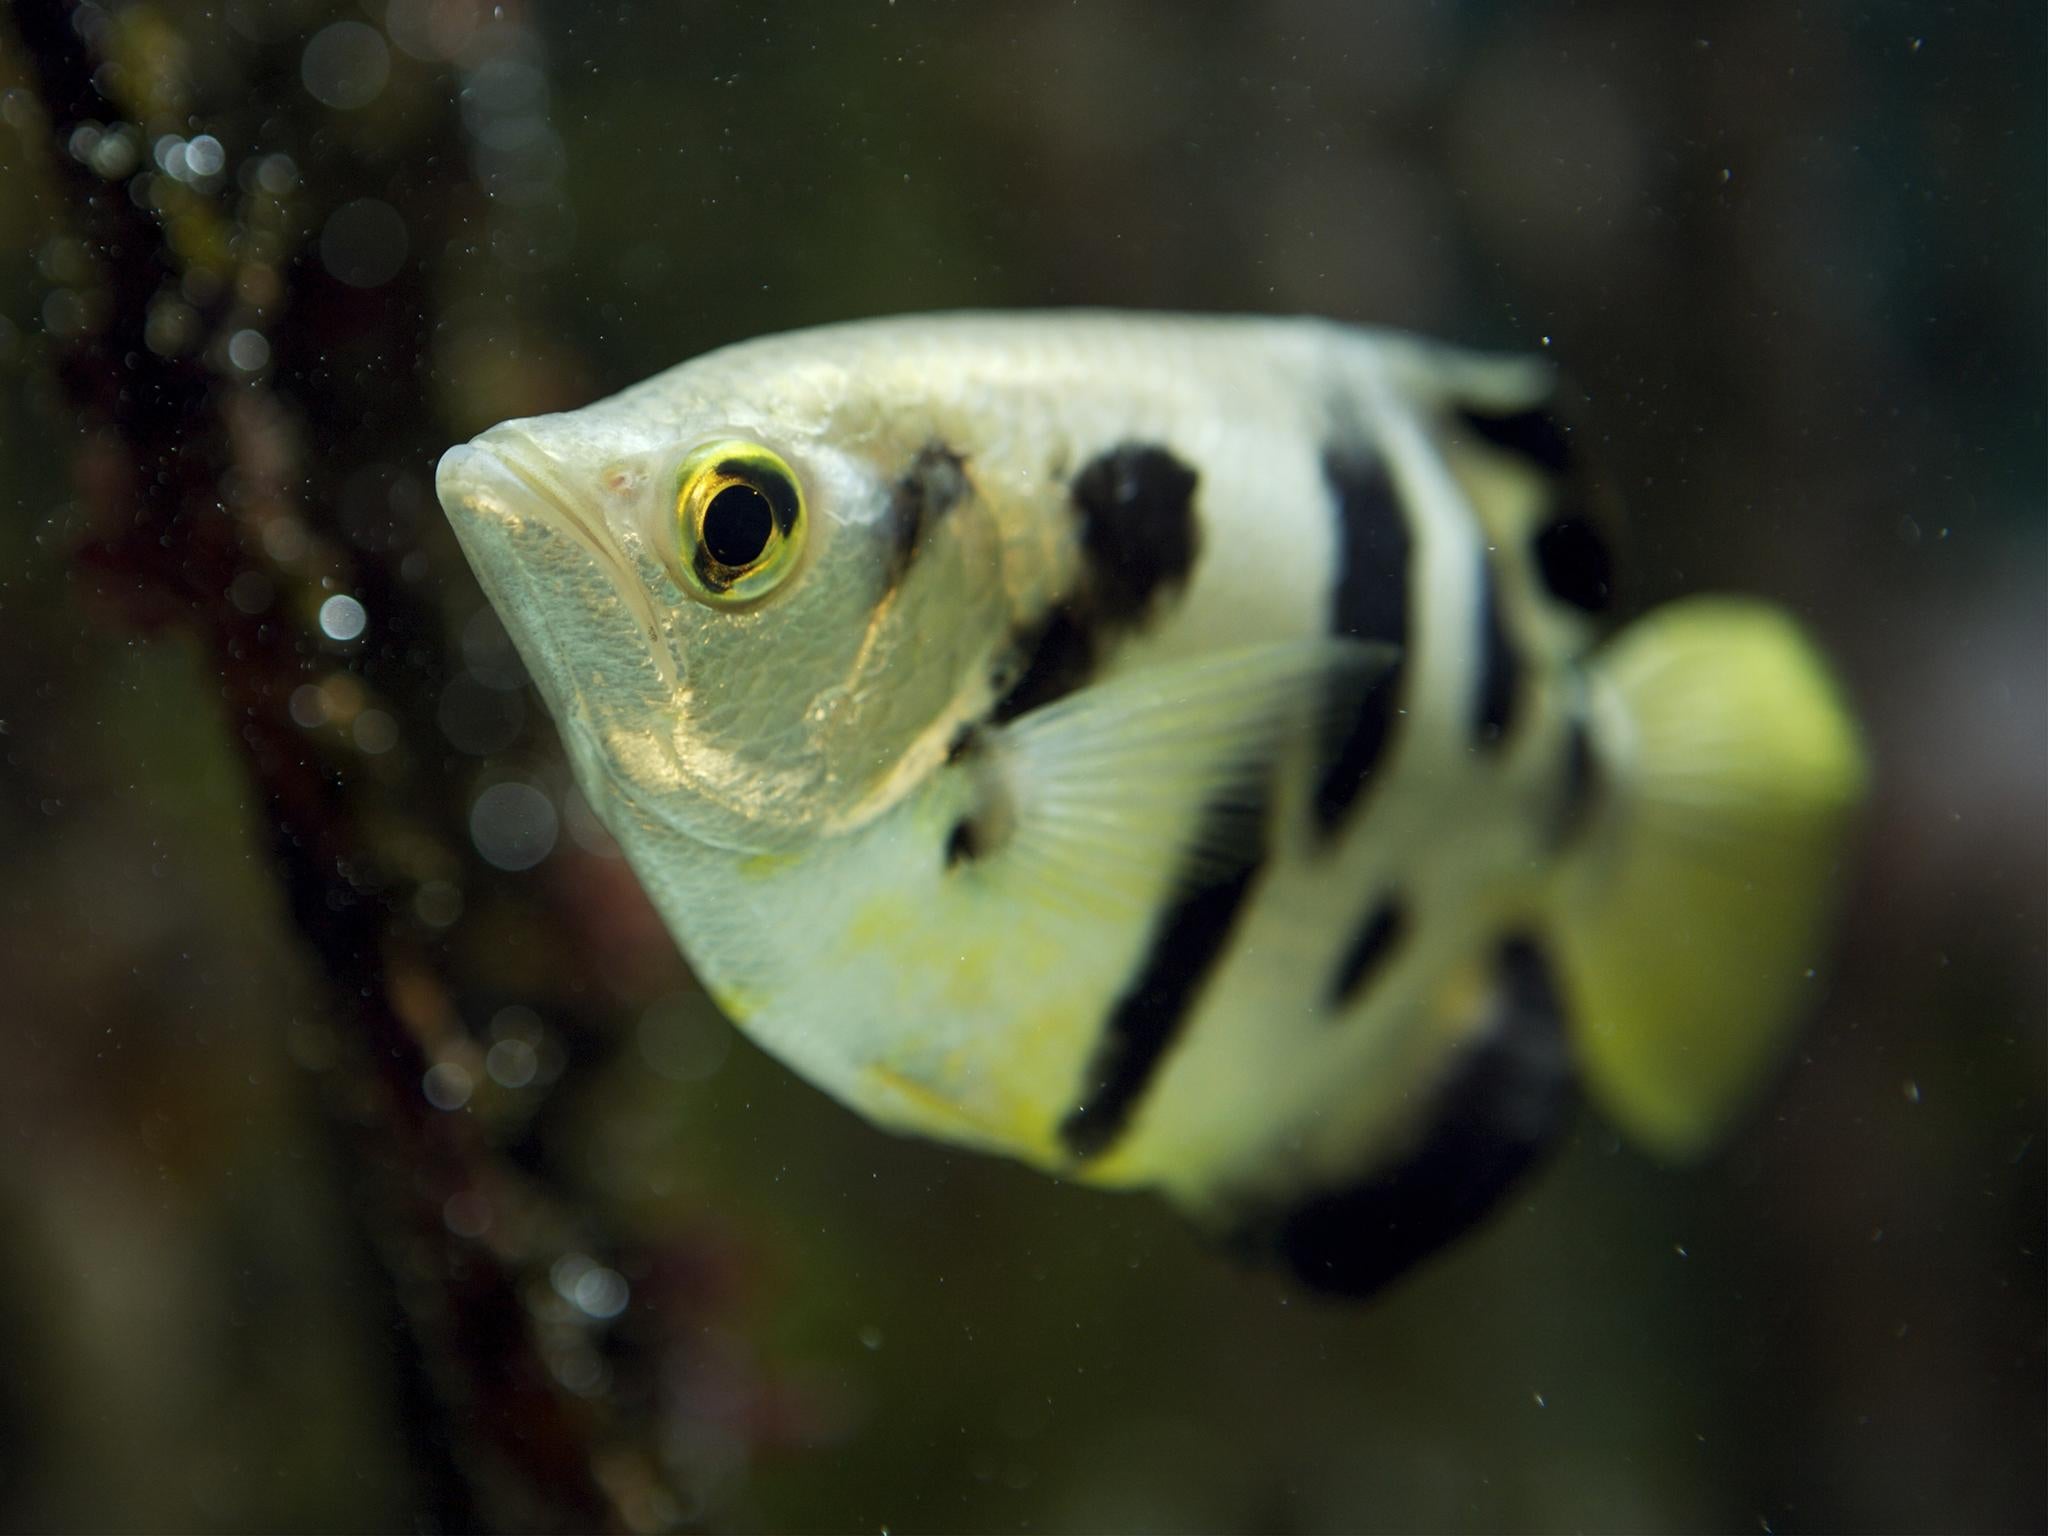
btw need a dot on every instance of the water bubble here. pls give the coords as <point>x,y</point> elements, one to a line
<point>490,653</point>
<point>601,1293</point>
<point>115,152</point>
<point>375,732</point>
<point>251,592</point>
<point>512,1063</point>
<point>249,350</point>
<point>380,506</point>
<point>277,174</point>
<point>205,156</point>
<point>345,65</point>
<point>64,314</point>
<point>466,1213</point>
<point>585,829</point>
<point>447,1085</point>
<point>479,720</point>
<point>437,903</point>
<point>169,154</point>
<point>513,825</point>
<point>364,243</point>
<point>503,99</point>
<point>579,1369</point>
<point>171,327</point>
<point>284,538</point>
<point>682,1039</point>
<point>342,617</point>
<point>308,706</point>
<point>516,1021</point>
<point>430,29</point>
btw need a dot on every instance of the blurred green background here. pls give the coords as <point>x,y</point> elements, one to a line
<point>1796,258</point>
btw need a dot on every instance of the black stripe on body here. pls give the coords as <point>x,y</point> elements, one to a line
<point>1187,942</point>
<point>1504,1104</point>
<point>1497,690</point>
<point>1370,602</point>
<point>1134,508</point>
<point>934,483</point>
<point>1368,952</point>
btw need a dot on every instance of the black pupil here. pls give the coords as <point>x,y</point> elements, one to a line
<point>737,525</point>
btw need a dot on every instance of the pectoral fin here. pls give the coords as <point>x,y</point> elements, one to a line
<point>1158,782</point>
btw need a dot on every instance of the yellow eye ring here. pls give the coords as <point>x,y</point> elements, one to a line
<point>739,521</point>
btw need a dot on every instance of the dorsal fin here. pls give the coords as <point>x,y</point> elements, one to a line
<point>1515,436</point>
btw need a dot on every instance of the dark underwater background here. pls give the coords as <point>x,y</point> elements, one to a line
<point>368,1160</point>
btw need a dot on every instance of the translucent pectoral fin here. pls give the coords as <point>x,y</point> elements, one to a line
<point>1160,781</point>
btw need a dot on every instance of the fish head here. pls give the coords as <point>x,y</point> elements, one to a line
<point>757,608</point>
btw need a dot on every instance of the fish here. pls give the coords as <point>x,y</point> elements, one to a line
<point>1185,753</point>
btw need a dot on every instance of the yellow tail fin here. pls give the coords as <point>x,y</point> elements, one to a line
<point>1693,917</point>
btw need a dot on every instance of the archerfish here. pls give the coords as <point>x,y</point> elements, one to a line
<point>1177,752</point>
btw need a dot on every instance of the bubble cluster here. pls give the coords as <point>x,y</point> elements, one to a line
<point>600,1293</point>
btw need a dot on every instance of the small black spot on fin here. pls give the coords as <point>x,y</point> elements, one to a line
<point>1504,1105</point>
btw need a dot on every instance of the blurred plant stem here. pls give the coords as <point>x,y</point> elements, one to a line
<point>225,379</point>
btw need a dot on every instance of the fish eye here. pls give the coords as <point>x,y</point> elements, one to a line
<point>739,521</point>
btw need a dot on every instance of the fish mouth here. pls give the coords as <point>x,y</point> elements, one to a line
<point>504,476</point>
<point>504,481</point>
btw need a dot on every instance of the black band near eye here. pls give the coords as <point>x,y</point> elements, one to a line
<point>737,526</point>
